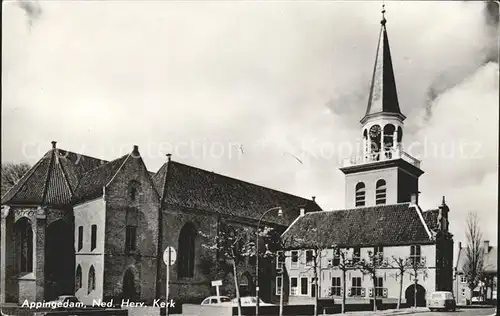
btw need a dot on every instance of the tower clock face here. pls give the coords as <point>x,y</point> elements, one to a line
<point>375,131</point>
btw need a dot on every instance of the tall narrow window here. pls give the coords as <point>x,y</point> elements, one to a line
<point>293,286</point>
<point>336,257</point>
<point>80,238</point>
<point>356,289</point>
<point>379,287</point>
<point>304,285</point>
<point>381,192</point>
<point>280,259</point>
<point>415,254</point>
<point>24,245</point>
<point>91,279</point>
<point>336,287</point>
<point>356,255</point>
<point>295,259</point>
<point>133,190</point>
<point>309,257</point>
<point>78,279</point>
<point>279,281</point>
<point>131,230</point>
<point>360,194</point>
<point>389,130</point>
<point>93,237</point>
<point>187,238</point>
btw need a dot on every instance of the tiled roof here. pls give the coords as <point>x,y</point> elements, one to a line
<point>396,224</point>
<point>52,180</point>
<point>430,218</point>
<point>196,188</point>
<point>489,260</point>
<point>92,182</point>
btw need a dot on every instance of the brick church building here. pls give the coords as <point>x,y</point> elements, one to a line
<point>77,224</point>
<point>381,215</point>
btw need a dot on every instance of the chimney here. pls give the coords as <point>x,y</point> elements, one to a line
<point>459,245</point>
<point>169,156</point>
<point>314,199</point>
<point>135,151</point>
<point>414,198</point>
<point>54,144</point>
<point>302,211</point>
<point>486,245</point>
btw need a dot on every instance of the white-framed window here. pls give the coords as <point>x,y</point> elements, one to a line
<point>356,288</point>
<point>294,256</point>
<point>415,254</point>
<point>336,257</point>
<point>379,286</point>
<point>279,283</point>
<point>356,254</point>
<point>463,291</point>
<point>309,257</point>
<point>294,286</point>
<point>360,194</point>
<point>380,192</point>
<point>304,286</point>
<point>463,279</point>
<point>280,259</point>
<point>336,287</point>
<point>378,250</point>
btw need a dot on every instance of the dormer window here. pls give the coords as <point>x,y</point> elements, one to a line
<point>381,192</point>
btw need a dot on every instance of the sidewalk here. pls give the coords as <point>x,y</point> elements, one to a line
<point>403,311</point>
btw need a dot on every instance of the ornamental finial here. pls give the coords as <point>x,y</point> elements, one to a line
<point>383,21</point>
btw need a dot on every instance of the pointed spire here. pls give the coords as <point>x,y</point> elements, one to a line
<point>383,96</point>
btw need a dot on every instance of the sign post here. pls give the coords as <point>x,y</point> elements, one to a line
<point>217,284</point>
<point>169,257</point>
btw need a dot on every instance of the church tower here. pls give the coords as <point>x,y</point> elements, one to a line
<point>383,173</point>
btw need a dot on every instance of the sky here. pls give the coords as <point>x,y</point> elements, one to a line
<point>267,92</point>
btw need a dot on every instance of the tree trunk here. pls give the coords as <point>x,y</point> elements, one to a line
<point>343,292</point>
<point>316,283</point>
<point>237,287</point>
<point>374,292</point>
<point>415,293</point>
<point>281,294</point>
<point>400,290</point>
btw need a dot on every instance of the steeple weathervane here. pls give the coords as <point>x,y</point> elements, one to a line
<point>383,21</point>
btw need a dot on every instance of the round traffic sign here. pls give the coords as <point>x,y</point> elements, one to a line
<point>169,253</point>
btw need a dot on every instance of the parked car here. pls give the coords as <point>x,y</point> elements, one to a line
<point>442,300</point>
<point>216,300</point>
<point>250,301</point>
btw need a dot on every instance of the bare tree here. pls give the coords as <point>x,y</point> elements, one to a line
<point>370,266</point>
<point>231,244</point>
<point>11,173</point>
<point>344,263</point>
<point>473,266</point>
<point>401,264</point>
<point>416,267</point>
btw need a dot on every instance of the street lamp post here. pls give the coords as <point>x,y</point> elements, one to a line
<point>280,212</point>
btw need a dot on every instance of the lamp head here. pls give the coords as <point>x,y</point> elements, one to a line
<point>280,212</point>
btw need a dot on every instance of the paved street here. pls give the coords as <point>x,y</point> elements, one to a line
<point>463,312</point>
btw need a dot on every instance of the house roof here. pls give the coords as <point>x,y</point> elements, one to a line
<point>52,180</point>
<point>489,260</point>
<point>383,97</point>
<point>92,182</point>
<point>200,189</point>
<point>395,224</point>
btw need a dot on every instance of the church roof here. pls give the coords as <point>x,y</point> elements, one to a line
<point>195,188</point>
<point>92,182</point>
<point>52,180</point>
<point>383,97</point>
<point>384,225</point>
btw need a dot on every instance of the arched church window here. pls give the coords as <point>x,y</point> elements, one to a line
<point>380,192</point>
<point>186,248</point>
<point>78,279</point>
<point>389,130</point>
<point>24,245</point>
<point>91,279</point>
<point>360,194</point>
<point>375,140</point>
<point>400,134</point>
